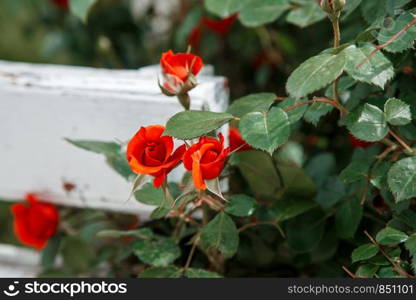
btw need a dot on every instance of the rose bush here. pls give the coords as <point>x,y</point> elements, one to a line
<point>318,175</point>
<point>313,209</point>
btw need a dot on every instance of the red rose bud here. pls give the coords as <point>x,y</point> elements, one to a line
<point>356,143</point>
<point>34,222</point>
<point>220,27</point>
<point>148,152</point>
<point>237,143</point>
<point>206,159</point>
<point>63,4</point>
<point>332,6</point>
<point>179,71</point>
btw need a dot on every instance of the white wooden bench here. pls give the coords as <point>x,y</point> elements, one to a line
<point>40,105</point>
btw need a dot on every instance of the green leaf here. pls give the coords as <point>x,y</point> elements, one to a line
<point>379,174</point>
<point>397,112</point>
<point>388,272</point>
<point>305,231</point>
<point>360,164</point>
<point>367,123</point>
<point>315,73</point>
<point>411,244</point>
<point>289,208</point>
<point>106,148</point>
<point>159,252</point>
<point>330,192</point>
<point>297,182</point>
<point>327,247</point>
<point>150,195</point>
<point>225,8</point>
<point>251,103</point>
<point>393,5</point>
<point>307,14</point>
<point>220,233</point>
<point>316,111</point>
<point>77,254</point>
<point>405,40</point>
<point>364,252</point>
<point>350,6</point>
<point>402,179</point>
<point>320,167</point>
<point>378,70</point>
<point>291,153</point>
<point>367,271</point>
<point>214,186</point>
<point>192,123</point>
<point>258,170</point>
<point>348,218</point>
<point>240,205</point>
<point>162,272</point>
<point>265,131</point>
<point>408,217</point>
<point>81,8</point>
<point>200,273</point>
<point>119,163</point>
<point>260,12</point>
<point>159,212</point>
<point>50,253</point>
<point>373,10</point>
<point>391,236</point>
<point>356,170</point>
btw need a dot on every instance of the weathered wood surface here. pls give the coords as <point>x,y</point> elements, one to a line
<point>42,104</point>
<point>18,262</point>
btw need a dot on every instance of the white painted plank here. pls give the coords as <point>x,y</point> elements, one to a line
<point>18,262</point>
<point>42,104</point>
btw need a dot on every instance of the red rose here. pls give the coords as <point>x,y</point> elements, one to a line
<point>206,159</point>
<point>236,141</point>
<point>148,152</point>
<point>64,4</point>
<point>35,222</point>
<point>356,143</point>
<point>220,27</point>
<point>181,65</point>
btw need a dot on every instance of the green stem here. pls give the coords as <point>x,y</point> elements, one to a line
<point>192,252</point>
<point>337,40</point>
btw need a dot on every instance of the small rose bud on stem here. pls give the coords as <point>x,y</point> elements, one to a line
<point>333,8</point>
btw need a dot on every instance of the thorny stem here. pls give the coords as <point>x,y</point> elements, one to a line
<point>393,39</point>
<point>253,224</point>
<point>396,267</point>
<point>334,103</point>
<point>351,274</point>
<point>401,141</point>
<point>337,39</point>
<point>192,252</point>
<point>387,152</point>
